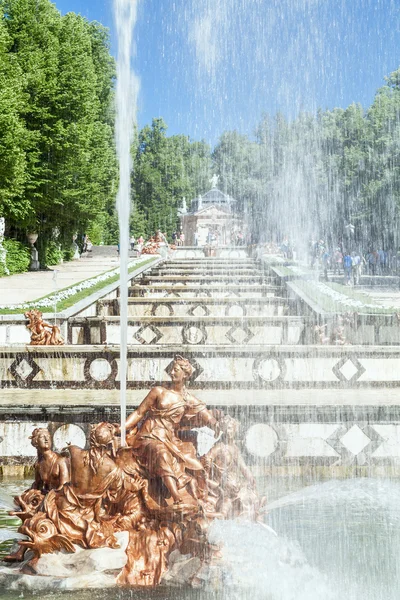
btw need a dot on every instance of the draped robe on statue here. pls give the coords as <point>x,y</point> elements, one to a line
<point>159,449</point>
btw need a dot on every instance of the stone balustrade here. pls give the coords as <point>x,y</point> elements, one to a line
<point>192,330</point>
<point>198,307</point>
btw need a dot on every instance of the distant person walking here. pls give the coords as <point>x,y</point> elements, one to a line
<point>337,261</point>
<point>347,266</point>
<point>139,245</point>
<point>325,263</point>
<point>356,267</point>
<point>84,243</point>
<point>182,239</point>
<point>383,260</point>
<point>372,261</point>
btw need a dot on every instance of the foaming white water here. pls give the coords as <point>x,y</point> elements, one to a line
<point>126,99</point>
<point>348,529</point>
<point>254,558</point>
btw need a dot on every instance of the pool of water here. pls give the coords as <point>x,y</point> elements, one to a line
<point>337,540</point>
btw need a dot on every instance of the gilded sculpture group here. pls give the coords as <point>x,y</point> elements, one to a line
<point>156,487</point>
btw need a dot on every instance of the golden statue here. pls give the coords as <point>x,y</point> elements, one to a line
<point>51,472</point>
<point>157,446</point>
<point>156,488</point>
<point>40,334</point>
<point>232,487</point>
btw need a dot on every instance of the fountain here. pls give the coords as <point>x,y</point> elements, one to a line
<point>126,95</point>
<point>266,470</point>
<point>148,506</point>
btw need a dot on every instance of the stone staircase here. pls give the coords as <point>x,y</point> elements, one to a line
<point>302,406</point>
<point>219,307</point>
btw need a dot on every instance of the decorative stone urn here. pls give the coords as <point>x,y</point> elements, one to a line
<point>32,237</point>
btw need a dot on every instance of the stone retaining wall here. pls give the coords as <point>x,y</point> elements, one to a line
<point>299,406</point>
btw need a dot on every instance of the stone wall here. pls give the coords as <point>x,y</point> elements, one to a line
<point>300,407</point>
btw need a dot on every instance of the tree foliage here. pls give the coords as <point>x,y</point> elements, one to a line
<point>312,176</point>
<point>166,170</point>
<point>57,156</point>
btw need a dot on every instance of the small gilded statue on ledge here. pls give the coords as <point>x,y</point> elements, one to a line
<point>42,333</point>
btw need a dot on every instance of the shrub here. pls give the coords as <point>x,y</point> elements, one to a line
<point>54,254</point>
<point>68,253</point>
<point>18,257</point>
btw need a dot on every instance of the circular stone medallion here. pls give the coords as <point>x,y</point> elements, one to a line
<point>68,434</point>
<point>261,440</point>
<point>235,310</point>
<point>269,369</point>
<point>194,335</point>
<point>100,369</point>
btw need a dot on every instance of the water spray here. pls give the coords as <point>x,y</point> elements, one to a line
<point>126,93</point>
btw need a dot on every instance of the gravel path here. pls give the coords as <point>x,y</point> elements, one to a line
<point>32,285</point>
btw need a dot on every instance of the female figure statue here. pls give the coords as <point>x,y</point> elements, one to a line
<point>156,444</point>
<point>51,468</point>
<point>52,471</point>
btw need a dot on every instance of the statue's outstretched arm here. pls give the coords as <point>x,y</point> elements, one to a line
<point>207,418</point>
<point>141,411</point>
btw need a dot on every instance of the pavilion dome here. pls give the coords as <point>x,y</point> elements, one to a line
<point>212,197</point>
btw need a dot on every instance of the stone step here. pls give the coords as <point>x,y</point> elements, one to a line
<point>356,369</point>
<point>206,279</point>
<point>189,252</point>
<point>212,291</point>
<point>211,262</point>
<point>340,402</point>
<point>208,271</point>
<point>191,330</point>
<point>230,306</point>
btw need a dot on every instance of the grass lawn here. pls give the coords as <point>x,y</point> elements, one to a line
<point>332,305</point>
<point>77,297</point>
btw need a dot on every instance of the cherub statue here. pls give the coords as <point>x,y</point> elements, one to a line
<point>40,336</point>
<point>320,332</point>
<point>232,487</point>
<point>77,509</point>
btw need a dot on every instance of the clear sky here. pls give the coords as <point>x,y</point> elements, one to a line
<point>210,65</point>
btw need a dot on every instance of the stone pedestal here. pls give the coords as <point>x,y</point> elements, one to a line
<point>34,264</point>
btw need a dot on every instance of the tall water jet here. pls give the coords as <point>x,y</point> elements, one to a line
<point>126,96</point>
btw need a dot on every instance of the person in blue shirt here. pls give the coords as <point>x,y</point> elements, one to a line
<point>347,266</point>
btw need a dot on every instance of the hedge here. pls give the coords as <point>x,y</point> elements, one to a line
<point>18,257</point>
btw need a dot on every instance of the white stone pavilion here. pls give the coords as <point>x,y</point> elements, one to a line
<point>211,219</point>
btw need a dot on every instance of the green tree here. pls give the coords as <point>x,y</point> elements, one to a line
<point>13,136</point>
<point>166,170</point>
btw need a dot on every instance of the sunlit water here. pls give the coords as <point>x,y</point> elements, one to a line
<point>337,540</point>
<point>126,97</point>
